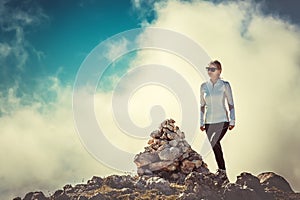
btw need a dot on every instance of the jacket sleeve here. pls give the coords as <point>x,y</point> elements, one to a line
<point>229,97</point>
<point>202,105</point>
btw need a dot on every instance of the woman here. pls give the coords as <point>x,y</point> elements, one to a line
<point>212,97</point>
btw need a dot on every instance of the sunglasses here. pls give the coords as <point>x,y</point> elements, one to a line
<point>211,69</point>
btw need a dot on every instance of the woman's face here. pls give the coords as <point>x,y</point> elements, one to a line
<point>213,74</point>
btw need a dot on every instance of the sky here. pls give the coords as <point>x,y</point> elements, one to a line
<point>44,44</point>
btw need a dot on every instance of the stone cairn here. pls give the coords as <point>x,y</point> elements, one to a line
<point>169,155</point>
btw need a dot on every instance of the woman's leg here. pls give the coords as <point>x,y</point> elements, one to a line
<point>215,133</point>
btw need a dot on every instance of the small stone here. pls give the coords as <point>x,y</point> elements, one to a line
<point>140,171</point>
<point>186,143</point>
<point>145,159</point>
<point>151,141</point>
<point>174,176</point>
<point>185,155</point>
<point>164,146</point>
<point>169,153</point>
<point>159,165</point>
<point>170,127</point>
<point>172,120</point>
<point>171,168</point>
<point>197,163</point>
<point>187,166</point>
<point>185,149</point>
<point>180,134</point>
<point>171,135</point>
<point>164,136</point>
<point>156,134</point>
<point>164,123</point>
<point>173,143</point>
<point>148,172</point>
<point>155,146</point>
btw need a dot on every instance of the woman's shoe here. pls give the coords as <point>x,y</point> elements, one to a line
<point>221,175</point>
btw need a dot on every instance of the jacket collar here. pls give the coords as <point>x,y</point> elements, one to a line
<point>211,83</point>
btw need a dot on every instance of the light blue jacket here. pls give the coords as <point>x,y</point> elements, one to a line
<point>212,97</point>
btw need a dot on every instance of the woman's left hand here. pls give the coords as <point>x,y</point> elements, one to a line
<point>231,127</point>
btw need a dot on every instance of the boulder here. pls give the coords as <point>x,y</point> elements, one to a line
<point>270,179</point>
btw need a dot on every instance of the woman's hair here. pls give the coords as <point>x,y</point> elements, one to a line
<point>217,64</point>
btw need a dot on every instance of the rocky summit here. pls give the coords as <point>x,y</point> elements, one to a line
<point>169,168</point>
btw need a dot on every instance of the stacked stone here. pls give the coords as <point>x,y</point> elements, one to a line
<point>169,155</point>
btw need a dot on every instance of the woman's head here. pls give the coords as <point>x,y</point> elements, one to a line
<point>214,69</point>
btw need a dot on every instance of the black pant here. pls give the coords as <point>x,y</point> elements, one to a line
<point>215,132</point>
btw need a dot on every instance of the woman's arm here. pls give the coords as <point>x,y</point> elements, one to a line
<point>229,96</point>
<point>202,105</point>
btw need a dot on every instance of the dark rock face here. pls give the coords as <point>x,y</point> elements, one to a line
<point>35,195</point>
<point>170,169</point>
<point>272,180</point>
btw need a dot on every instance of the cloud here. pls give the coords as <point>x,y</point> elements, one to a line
<point>260,57</point>
<point>4,50</point>
<point>15,19</point>
<point>40,149</point>
<point>144,10</point>
<point>116,48</point>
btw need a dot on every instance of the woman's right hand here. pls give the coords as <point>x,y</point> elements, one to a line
<point>202,128</point>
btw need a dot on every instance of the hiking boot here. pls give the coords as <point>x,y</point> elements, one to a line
<point>221,175</point>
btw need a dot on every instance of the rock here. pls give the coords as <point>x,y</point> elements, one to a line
<point>202,184</point>
<point>99,196</point>
<point>237,192</point>
<point>35,196</point>
<point>169,168</point>
<point>172,167</point>
<point>161,184</point>
<point>96,181</point>
<point>145,159</point>
<point>60,195</point>
<point>115,181</point>
<point>156,134</point>
<point>174,143</point>
<point>188,196</point>
<point>197,163</point>
<point>270,179</point>
<point>187,166</point>
<point>171,135</point>
<point>159,165</point>
<point>67,187</point>
<point>247,180</point>
<point>168,153</point>
<point>179,133</point>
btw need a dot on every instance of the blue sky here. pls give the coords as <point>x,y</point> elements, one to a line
<point>58,35</point>
<point>43,43</point>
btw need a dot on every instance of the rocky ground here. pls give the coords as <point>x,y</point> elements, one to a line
<point>169,168</point>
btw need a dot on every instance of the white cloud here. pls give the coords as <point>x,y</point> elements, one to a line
<point>4,50</point>
<point>260,57</point>
<point>15,21</point>
<point>40,149</point>
<point>116,48</point>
